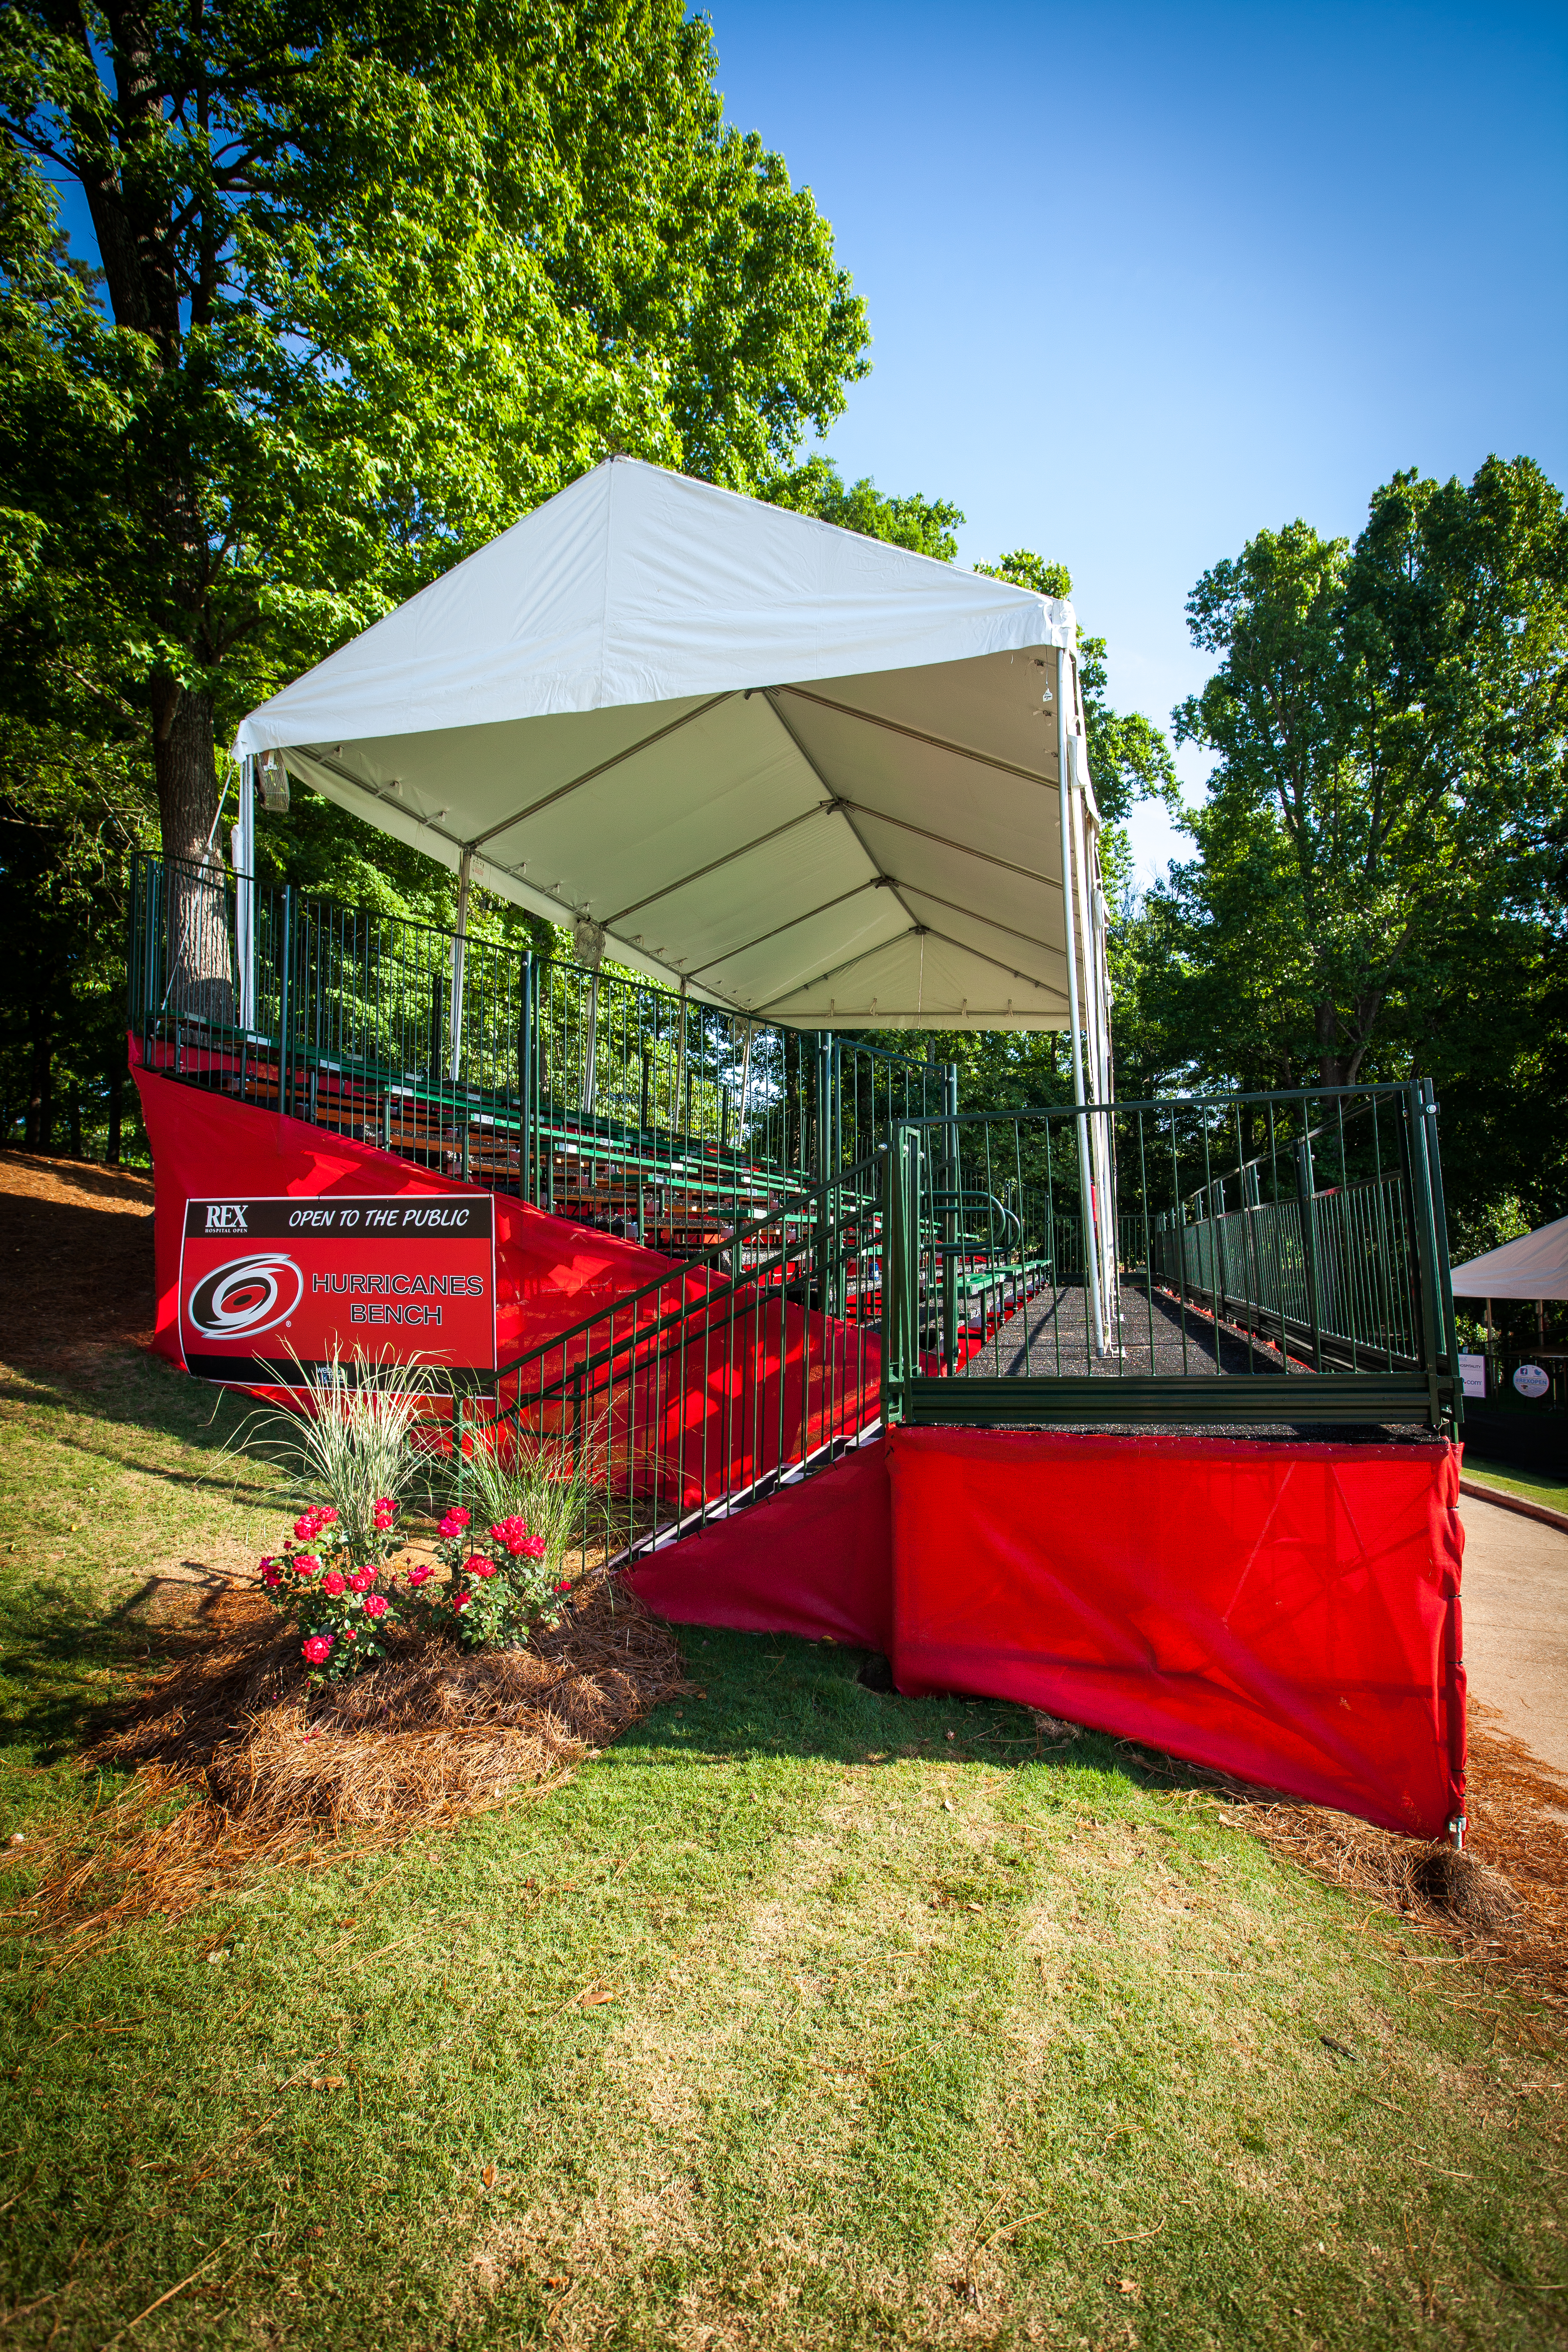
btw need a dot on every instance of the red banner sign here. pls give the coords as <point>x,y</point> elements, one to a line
<point>263,1281</point>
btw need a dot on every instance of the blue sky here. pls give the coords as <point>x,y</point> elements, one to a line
<point>1141,280</point>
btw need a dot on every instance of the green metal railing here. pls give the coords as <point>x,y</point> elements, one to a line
<point>1253,1240</point>
<point>708,1387</point>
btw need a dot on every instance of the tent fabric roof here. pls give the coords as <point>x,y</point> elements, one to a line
<point>1534,1267</point>
<point>812,775</point>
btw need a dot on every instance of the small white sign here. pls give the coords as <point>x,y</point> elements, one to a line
<point>1531,1380</point>
<point>1473,1373</point>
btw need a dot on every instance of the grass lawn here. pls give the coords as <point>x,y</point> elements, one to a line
<point>1538,1486</point>
<point>915,2033</point>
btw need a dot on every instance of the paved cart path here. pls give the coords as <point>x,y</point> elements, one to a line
<point>1515,1595</point>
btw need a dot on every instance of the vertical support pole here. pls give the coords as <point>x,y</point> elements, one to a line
<point>951,1183</point>
<point>525,1081</point>
<point>459,957</point>
<point>1442,1266</point>
<point>679,1114</point>
<point>286,996</point>
<point>242,849</point>
<point>1091,1267</point>
<point>901,1275</point>
<point>1434,1321</point>
<point>589,1089</point>
<point>1306,1185</point>
<point>745,1087</point>
<point>824,1160</point>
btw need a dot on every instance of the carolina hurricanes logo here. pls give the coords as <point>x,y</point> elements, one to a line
<point>247,1295</point>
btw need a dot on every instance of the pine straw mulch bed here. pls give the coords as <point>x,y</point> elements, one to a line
<point>1503,1905</point>
<point>272,1769</point>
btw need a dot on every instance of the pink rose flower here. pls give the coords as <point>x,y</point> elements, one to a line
<point>269,1576</point>
<point>531,1548</point>
<point>351,1632</point>
<point>480,1566</point>
<point>461,1599</point>
<point>416,1576</point>
<point>334,1581</point>
<point>563,1585</point>
<point>456,1520</point>
<point>383,1514</point>
<point>362,1580</point>
<point>508,1532</point>
<point>305,1564</point>
<point>374,1605</point>
<point>318,1649</point>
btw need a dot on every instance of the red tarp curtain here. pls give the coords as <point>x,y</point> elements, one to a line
<point>814,1559</point>
<point>1287,1612</point>
<point>705,1411</point>
<point>549,1274</point>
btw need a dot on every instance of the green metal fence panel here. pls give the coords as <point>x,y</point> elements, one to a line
<point>635,1108</point>
<point>1255,1239</point>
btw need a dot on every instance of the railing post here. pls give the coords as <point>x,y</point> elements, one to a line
<point>286,1000</point>
<point>896,1274</point>
<point>1306,1185</point>
<point>951,1183</point>
<point>1435,1321</point>
<point>1445,1280</point>
<point>525,1081</point>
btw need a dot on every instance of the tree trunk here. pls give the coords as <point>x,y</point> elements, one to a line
<point>115,1082</point>
<point>198,974</point>
<point>39,1130</point>
<point>74,1115</point>
<point>1331,1064</point>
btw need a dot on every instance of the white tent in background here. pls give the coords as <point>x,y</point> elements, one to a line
<point>1534,1266</point>
<point>789,770</point>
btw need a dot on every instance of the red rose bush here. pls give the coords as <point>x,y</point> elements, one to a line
<point>499,1585</point>
<point>335,1598</point>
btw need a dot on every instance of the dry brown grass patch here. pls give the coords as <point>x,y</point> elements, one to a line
<point>1506,1904</point>
<point>278,1770</point>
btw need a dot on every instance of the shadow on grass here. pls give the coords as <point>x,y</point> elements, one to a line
<point>127,1388</point>
<point>763,1697</point>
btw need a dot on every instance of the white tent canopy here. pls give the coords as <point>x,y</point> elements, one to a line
<point>1534,1266</point>
<point>808,776</point>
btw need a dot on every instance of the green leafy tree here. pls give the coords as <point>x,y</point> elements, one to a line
<point>1389,724</point>
<point>925,526</point>
<point>1377,888</point>
<point>375,278</point>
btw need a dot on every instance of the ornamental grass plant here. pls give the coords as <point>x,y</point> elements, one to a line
<point>349,1434</point>
<point>543,1481</point>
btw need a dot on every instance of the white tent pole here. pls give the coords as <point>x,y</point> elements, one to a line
<point>460,952</point>
<point>1092,933</point>
<point>242,849</point>
<point>675,1123</point>
<point>1091,1266</point>
<point>745,1078</point>
<point>591,1054</point>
